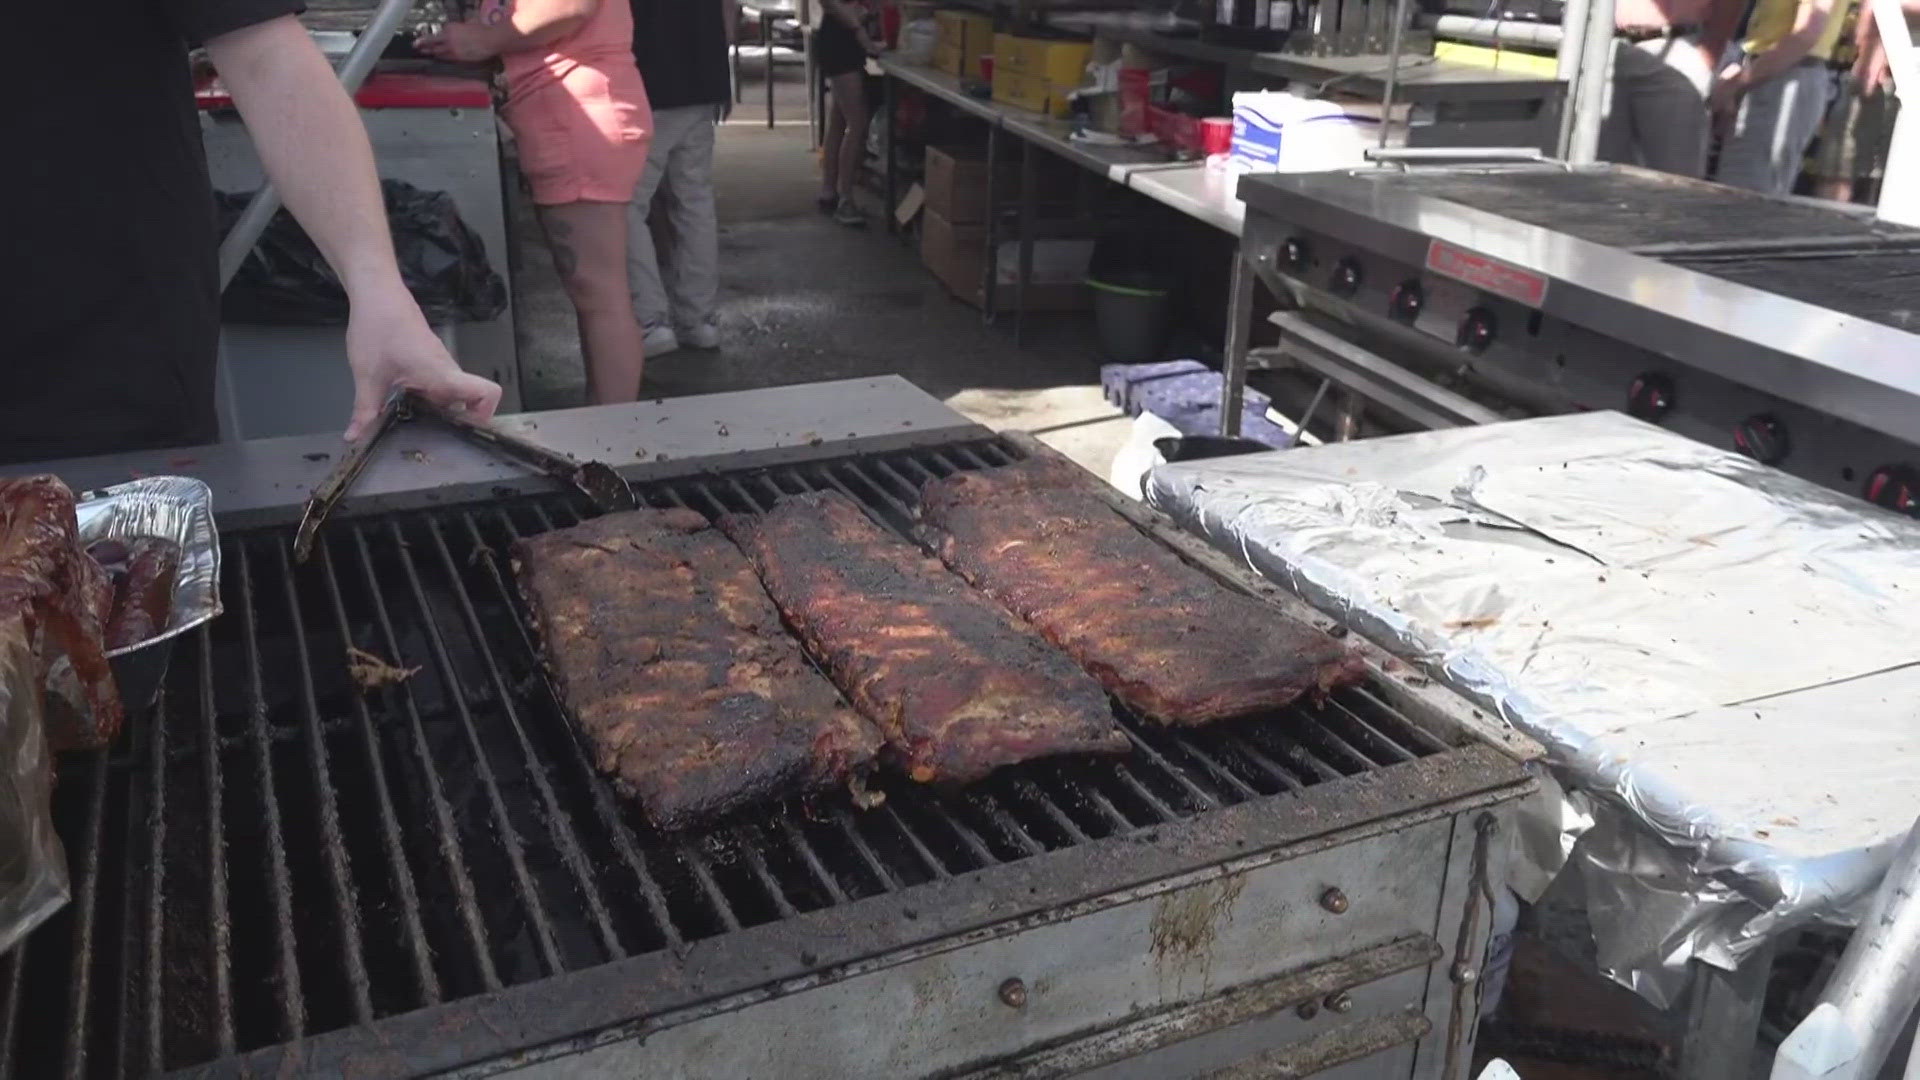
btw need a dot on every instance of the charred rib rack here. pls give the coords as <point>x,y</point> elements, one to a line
<point>677,669</point>
<point>958,687</point>
<point>1161,635</point>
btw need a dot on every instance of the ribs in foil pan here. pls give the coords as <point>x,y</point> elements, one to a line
<point>1726,656</point>
<point>33,872</point>
<point>175,508</point>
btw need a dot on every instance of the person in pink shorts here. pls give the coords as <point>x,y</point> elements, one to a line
<point>579,115</point>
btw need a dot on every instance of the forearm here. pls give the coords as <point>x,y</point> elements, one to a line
<point>1723,18</point>
<point>537,23</point>
<point>314,148</point>
<point>1808,25</point>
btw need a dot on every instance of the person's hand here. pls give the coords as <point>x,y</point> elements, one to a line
<point>1723,99</point>
<point>870,46</point>
<point>465,42</point>
<point>1872,72</point>
<point>389,347</point>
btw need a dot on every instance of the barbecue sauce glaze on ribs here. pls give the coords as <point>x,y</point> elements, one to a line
<point>1165,637</point>
<point>675,666</point>
<point>958,687</point>
<point>58,597</point>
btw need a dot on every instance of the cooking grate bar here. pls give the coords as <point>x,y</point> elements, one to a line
<point>86,897</point>
<point>811,858</point>
<point>603,808</point>
<point>865,850</point>
<point>16,962</point>
<point>446,834</point>
<point>156,879</point>
<point>559,826</point>
<point>220,941</point>
<point>1267,765</point>
<point>1047,806</point>
<point>1384,751</point>
<point>702,875</point>
<point>334,849</point>
<point>744,840</point>
<point>918,845</point>
<point>1405,733</point>
<point>286,961</point>
<point>1201,799</point>
<point>426,982</point>
<point>1211,765</point>
<point>509,836</point>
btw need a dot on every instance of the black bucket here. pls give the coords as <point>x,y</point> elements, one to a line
<point>1131,314</point>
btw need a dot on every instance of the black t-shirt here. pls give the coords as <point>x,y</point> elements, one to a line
<point>681,46</point>
<point>109,308</point>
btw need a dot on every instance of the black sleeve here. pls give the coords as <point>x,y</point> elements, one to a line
<point>202,20</point>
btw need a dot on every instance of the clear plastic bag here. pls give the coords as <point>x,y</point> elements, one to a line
<point>33,868</point>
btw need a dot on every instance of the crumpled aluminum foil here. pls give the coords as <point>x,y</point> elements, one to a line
<point>176,508</point>
<point>1723,653</point>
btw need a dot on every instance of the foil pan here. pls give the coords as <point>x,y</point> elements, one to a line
<point>176,508</point>
<point>1725,656</point>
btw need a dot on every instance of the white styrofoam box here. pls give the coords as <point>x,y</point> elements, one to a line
<point>1275,131</point>
<point>1055,262</point>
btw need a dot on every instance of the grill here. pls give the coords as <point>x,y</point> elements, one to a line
<point>273,855</point>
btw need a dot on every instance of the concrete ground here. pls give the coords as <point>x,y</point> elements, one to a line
<point>803,299</point>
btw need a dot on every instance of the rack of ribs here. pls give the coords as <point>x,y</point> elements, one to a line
<point>957,686</point>
<point>61,597</point>
<point>1165,637</point>
<point>674,665</point>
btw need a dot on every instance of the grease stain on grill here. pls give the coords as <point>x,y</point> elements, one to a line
<point>481,847</point>
<point>1184,926</point>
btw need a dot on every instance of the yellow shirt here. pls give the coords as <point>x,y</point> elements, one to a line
<point>1773,20</point>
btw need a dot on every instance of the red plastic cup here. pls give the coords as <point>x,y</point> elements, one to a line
<point>1216,135</point>
<point>986,68</point>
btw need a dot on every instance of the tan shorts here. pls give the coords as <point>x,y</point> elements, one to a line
<point>1853,141</point>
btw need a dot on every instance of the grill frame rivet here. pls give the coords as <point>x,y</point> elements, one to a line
<point>1335,901</point>
<point>1308,1010</point>
<point>1339,1002</point>
<point>1463,973</point>
<point>1013,994</point>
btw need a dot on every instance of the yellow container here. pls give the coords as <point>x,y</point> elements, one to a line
<point>963,38</point>
<point>1030,92</point>
<point>1059,63</point>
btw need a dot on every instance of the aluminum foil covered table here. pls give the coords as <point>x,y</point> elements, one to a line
<point>1723,654</point>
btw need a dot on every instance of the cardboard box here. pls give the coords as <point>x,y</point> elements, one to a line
<point>956,183</point>
<point>957,256</point>
<point>1031,92</point>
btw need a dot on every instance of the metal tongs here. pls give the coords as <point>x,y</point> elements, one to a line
<point>596,480</point>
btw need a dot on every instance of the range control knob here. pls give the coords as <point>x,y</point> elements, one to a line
<point>1476,331</point>
<point>1896,487</point>
<point>1404,305</point>
<point>1651,396</point>
<point>1295,253</point>
<point>1762,438</point>
<point>1346,278</point>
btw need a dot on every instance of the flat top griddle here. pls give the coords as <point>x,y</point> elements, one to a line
<point>1639,211</point>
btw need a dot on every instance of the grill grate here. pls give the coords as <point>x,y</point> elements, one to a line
<point>275,854</point>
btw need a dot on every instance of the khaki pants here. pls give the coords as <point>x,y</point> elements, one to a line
<point>1777,122</point>
<point>1658,114</point>
<point>683,293</point>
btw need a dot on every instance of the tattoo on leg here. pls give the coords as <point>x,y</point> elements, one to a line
<point>564,260</point>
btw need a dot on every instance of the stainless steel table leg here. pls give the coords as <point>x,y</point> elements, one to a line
<point>766,45</point>
<point>989,288</point>
<point>1233,382</point>
<point>1723,1018</point>
<point>888,169</point>
<point>1026,241</point>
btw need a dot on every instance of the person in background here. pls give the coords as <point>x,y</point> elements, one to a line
<point>579,116</point>
<point>112,311</point>
<point>1772,94</point>
<point>681,46</point>
<point>1853,143</point>
<point>1662,68</point>
<point>841,47</point>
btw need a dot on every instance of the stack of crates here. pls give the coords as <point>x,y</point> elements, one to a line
<point>964,37</point>
<point>1038,73</point>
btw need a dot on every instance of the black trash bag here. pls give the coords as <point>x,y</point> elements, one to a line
<point>286,282</point>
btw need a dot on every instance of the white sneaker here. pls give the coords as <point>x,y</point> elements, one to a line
<point>660,341</point>
<point>704,335</point>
